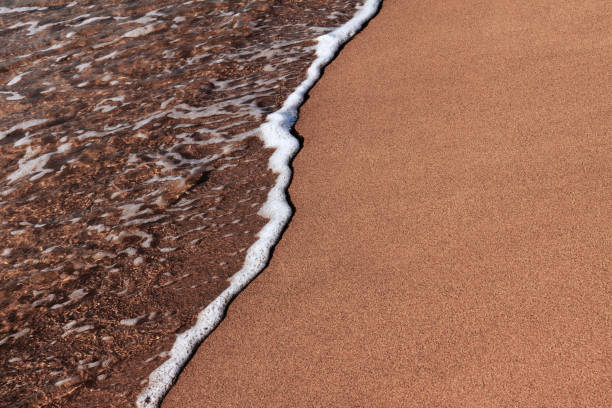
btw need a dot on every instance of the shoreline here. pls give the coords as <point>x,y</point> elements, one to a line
<point>449,242</point>
<point>133,181</point>
<point>275,133</point>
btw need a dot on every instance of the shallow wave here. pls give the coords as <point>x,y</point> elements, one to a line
<point>276,133</point>
<point>143,144</point>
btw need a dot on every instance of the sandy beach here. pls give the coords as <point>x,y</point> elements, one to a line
<point>451,240</point>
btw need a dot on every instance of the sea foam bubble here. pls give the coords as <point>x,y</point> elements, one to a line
<point>275,133</point>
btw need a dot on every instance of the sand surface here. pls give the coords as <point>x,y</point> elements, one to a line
<point>451,245</point>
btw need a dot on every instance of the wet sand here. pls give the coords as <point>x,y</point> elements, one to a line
<point>451,245</point>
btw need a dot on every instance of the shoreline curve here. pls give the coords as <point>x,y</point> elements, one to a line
<point>451,241</point>
<point>275,133</point>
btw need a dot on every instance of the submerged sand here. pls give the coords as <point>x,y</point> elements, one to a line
<point>452,235</point>
<point>131,178</point>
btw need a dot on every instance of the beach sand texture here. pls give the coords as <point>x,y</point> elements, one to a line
<point>451,243</point>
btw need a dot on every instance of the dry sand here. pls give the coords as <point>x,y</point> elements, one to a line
<point>451,245</point>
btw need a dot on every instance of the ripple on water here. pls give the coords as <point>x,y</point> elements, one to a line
<point>131,177</point>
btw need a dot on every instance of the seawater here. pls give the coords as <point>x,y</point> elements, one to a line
<point>137,177</point>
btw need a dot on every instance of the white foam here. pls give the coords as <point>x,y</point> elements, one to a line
<point>140,31</point>
<point>55,46</point>
<point>12,96</point>
<point>275,133</point>
<point>16,78</point>
<point>131,322</point>
<point>66,381</point>
<point>30,164</point>
<point>33,27</point>
<point>22,126</point>
<point>90,20</point>
<point>6,10</point>
<point>84,66</point>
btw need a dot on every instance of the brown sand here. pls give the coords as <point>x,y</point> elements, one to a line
<point>451,245</point>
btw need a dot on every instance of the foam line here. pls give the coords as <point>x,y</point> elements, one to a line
<point>275,133</point>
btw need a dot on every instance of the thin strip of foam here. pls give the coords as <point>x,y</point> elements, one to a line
<point>275,133</point>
